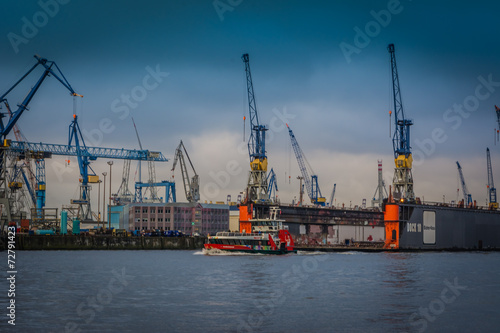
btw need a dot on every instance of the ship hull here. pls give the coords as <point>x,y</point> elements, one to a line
<point>244,249</point>
<point>426,227</point>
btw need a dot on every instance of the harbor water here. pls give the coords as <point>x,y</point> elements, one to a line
<point>187,291</point>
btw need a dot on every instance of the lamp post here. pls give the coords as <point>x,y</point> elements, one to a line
<point>99,203</point>
<point>110,163</point>
<point>104,199</point>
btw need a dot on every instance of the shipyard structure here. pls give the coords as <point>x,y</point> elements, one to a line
<point>397,219</point>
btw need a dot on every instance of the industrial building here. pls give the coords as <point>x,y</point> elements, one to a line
<point>189,218</point>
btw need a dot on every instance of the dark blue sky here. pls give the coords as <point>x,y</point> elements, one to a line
<point>338,105</point>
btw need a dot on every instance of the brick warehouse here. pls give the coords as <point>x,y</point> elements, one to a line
<point>189,218</point>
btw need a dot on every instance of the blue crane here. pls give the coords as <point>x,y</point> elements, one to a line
<point>50,69</point>
<point>403,179</point>
<point>14,117</point>
<point>312,186</point>
<point>98,152</point>
<point>76,147</point>
<point>492,191</point>
<point>272,187</point>
<point>170,195</point>
<point>465,191</point>
<point>41,184</point>
<point>257,182</point>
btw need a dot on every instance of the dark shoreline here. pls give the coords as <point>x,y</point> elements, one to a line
<point>102,242</point>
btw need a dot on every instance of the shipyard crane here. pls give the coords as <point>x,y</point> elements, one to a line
<point>20,190</point>
<point>330,203</point>
<point>467,196</point>
<point>23,168</point>
<point>403,179</point>
<point>492,191</point>
<point>151,184</point>
<point>85,155</point>
<point>123,195</point>
<point>257,186</point>
<point>191,185</point>
<point>48,65</point>
<point>75,135</point>
<point>312,186</point>
<point>272,188</point>
<point>381,191</point>
<point>50,69</point>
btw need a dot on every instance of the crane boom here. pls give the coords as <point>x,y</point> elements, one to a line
<point>50,69</point>
<point>492,191</point>
<point>312,186</point>
<point>467,196</point>
<point>257,181</point>
<point>97,152</point>
<point>5,129</point>
<point>330,203</point>
<point>403,179</point>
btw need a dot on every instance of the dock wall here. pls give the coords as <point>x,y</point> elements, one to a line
<point>106,242</point>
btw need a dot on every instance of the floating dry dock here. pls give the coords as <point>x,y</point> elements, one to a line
<point>401,226</point>
<point>441,227</point>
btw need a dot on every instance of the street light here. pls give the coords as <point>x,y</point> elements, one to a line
<point>104,199</point>
<point>110,163</point>
<point>99,202</point>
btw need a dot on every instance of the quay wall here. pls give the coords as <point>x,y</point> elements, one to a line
<point>105,242</point>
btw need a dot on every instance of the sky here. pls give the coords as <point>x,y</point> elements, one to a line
<point>175,67</point>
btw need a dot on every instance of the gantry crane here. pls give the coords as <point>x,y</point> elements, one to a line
<point>312,186</point>
<point>403,179</point>
<point>492,191</point>
<point>257,186</point>
<point>85,155</point>
<point>191,185</point>
<point>465,192</point>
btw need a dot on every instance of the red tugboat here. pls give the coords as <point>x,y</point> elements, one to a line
<point>265,235</point>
